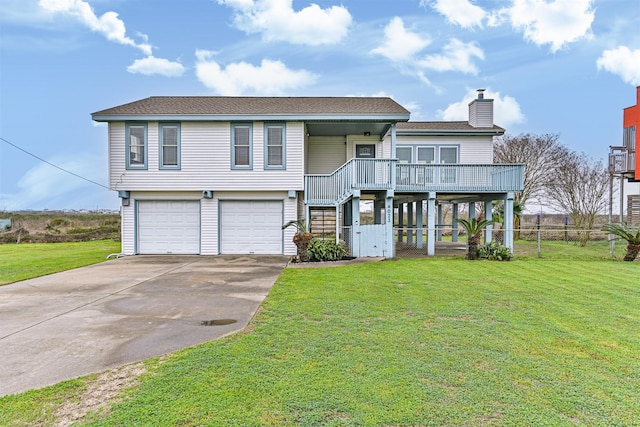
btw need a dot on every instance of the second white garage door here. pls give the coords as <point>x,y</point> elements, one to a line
<point>251,227</point>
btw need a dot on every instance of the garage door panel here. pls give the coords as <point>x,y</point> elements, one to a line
<point>251,227</point>
<point>169,227</point>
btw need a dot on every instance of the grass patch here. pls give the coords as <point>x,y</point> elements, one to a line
<point>28,260</point>
<point>414,342</point>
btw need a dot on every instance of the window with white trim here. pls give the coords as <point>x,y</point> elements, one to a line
<point>169,146</point>
<point>404,154</point>
<point>136,145</point>
<point>426,155</point>
<point>448,155</point>
<point>275,146</point>
<point>241,144</point>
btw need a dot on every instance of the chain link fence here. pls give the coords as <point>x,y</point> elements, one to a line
<point>553,242</point>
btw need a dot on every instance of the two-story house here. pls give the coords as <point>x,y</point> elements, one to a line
<point>623,159</point>
<point>221,175</point>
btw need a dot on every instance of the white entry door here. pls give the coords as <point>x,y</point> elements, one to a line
<point>169,227</point>
<point>251,226</point>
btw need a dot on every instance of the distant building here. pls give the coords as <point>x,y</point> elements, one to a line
<point>625,163</point>
<point>623,159</point>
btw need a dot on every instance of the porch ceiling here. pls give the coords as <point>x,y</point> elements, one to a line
<point>346,128</point>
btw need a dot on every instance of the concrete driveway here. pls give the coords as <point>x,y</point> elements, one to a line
<point>98,317</point>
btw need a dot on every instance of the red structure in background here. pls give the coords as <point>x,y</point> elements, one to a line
<point>623,160</point>
<point>631,124</point>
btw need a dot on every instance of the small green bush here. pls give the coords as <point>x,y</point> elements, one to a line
<point>326,250</point>
<point>494,251</point>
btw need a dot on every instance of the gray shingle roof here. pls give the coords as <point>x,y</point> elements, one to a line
<point>222,105</point>
<point>452,127</point>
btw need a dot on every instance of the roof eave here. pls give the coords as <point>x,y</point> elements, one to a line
<point>98,117</point>
<point>441,132</point>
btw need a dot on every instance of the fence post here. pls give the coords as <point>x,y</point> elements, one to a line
<point>566,230</point>
<point>538,226</point>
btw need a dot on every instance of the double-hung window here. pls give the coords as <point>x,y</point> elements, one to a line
<point>169,146</point>
<point>136,145</point>
<point>404,155</point>
<point>274,146</point>
<point>241,144</point>
<point>426,155</point>
<point>448,155</point>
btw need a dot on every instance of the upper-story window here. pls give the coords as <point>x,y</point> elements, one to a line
<point>426,155</point>
<point>448,154</point>
<point>629,138</point>
<point>274,146</point>
<point>241,146</point>
<point>136,145</point>
<point>169,146</point>
<point>404,154</point>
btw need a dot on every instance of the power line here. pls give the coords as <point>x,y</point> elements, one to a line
<point>55,166</point>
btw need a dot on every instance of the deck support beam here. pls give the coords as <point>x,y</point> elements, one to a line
<point>419,223</point>
<point>508,221</point>
<point>454,225</point>
<point>431,223</point>
<point>355,223</point>
<point>389,249</point>
<point>488,214</point>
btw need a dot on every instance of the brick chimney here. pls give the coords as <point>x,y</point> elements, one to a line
<point>481,111</point>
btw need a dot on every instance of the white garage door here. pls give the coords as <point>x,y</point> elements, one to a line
<point>250,227</point>
<point>169,227</point>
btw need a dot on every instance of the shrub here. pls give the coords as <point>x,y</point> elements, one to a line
<point>495,251</point>
<point>326,250</point>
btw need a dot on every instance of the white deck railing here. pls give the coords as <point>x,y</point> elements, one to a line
<point>488,178</point>
<point>387,174</point>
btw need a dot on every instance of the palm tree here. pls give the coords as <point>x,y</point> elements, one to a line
<point>302,238</point>
<point>473,227</point>
<point>498,215</point>
<point>624,232</point>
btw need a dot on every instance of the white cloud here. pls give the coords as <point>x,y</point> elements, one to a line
<point>461,12</point>
<point>404,47</point>
<point>152,65</point>
<point>277,21</point>
<point>456,56</point>
<point>269,78</point>
<point>506,110</point>
<point>400,45</point>
<point>623,62</point>
<point>556,22</point>
<point>108,24</point>
<point>45,187</point>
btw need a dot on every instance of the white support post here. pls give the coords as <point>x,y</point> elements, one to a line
<point>431,224</point>
<point>508,221</point>
<point>337,225</point>
<point>439,225</point>
<point>400,222</point>
<point>419,242</point>
<point>488,211</point>
<point>410,223</point>
<point>355,223</point>
<point>389,251</point>
<point>454,225</point>
<point>472,210</point>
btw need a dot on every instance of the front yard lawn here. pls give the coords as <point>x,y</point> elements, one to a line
<point>28,260</point>
<point>411,342</point>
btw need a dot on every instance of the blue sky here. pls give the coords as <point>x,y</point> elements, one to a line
<point>552,66</point>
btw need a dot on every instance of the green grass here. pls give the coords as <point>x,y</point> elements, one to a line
<point>28,260</point>
<point>410,343</point>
